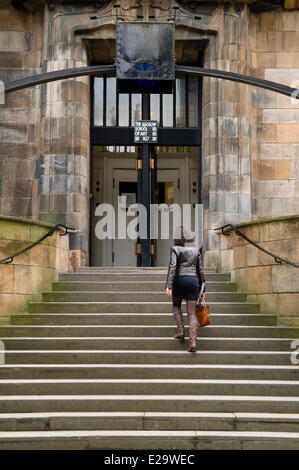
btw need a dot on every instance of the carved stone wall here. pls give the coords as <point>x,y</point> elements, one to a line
<point>274,46</point>
<point>250,137</point>
<point>20,56</point>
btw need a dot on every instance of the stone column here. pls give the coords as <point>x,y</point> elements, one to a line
<point>64,161</point>
<point>20,56</point>
<point>226,131</point>
<point>275,56</point>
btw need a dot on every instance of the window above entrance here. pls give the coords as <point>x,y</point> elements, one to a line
<point>179,109</point>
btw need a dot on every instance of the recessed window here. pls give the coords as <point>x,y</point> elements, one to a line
<point>179,109</point>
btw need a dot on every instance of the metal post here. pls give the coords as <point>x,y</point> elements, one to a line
<point>145,184</point>
<point>153,196</point>
<point>139,197</point>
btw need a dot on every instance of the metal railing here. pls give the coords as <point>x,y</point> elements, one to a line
<point>10,259</point>
<point>278,259</point>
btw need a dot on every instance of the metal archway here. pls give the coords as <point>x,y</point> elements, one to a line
<point>100,69</point>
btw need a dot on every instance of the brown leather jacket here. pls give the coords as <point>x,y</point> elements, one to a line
<point>184,260</point>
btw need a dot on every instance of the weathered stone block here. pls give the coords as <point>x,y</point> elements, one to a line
<point>282,189</point>
<point>74,91</point>
<point>277,150</point>
<point>282,169</point>
<point>58,184</point>
<point>240,257</point>
<point>288,304</point>
<point>229,127</point>
<point>231,164</point>
<point>268,303</point>
<point>15,41</point>
<point>268,21</point>
<point>215,202</point>
<point>279,230</point>
<point>14,133</point>
<point>284,279</point>
<point>287,59</point>
<point>266,132</point>
<point>256,280</point>
<point>231,91</point>
<point>288,133</point>
<point>263,98</point>
<point>285,76</point>
<point>245,203</point>
<point>11,230</point>
<point>231,202</point>
<point>49,257</point>
<point>53,217</point>
<point>281,116</point>
<point>231,183</point>
<point>266,59</point>
<point>9,303</point>
<point>265,169</point>
<point>6,276</point>
<point>58,203</point>
<point>13,19</point>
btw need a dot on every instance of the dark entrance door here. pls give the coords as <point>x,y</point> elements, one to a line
<point>179,124</point>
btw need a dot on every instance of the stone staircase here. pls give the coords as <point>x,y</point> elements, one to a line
<point>95,366</point>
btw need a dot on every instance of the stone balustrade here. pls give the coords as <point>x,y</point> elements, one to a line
<point>275,286</point>
<point>32,272</point>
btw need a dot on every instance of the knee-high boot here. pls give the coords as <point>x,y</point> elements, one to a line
<point>178,316</point>
<point>193,330</point>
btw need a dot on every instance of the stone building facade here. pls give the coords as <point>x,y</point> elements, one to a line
<point>250,137</point>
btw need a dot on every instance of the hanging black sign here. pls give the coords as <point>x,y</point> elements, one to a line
<point>145,57</point>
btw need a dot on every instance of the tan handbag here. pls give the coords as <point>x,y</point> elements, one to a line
<point>203,314</point>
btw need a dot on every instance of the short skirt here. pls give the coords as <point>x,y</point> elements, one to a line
<point>185,287</point>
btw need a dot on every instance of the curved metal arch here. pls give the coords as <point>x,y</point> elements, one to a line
<point>57,75</point>
<point>100,69</point>
<point>241,78</point>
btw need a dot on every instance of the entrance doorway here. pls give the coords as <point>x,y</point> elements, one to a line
<point>169,192</point>
<point>168,173</point>
<point>124,184</point>
<point>115,174</point>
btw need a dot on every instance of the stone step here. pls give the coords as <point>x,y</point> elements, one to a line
<point>173,358</point>
<point>281,388</point>
<point>146,343</point>
<point>98,356</point>
<point>170,440</point>
<point>134,297</point>
<point>130,269</point>
<point>133,318</point>
<point>118,269</point>
<point>134,307</point>
<point>146,403</point>
<point>266,422</point>
<point>125,276</point>
<point>154,331</point>
<point>146,371</point>
<point>132,286</point>
<point>148,269</point>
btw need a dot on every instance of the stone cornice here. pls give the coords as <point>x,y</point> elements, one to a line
<point>256,6</point>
